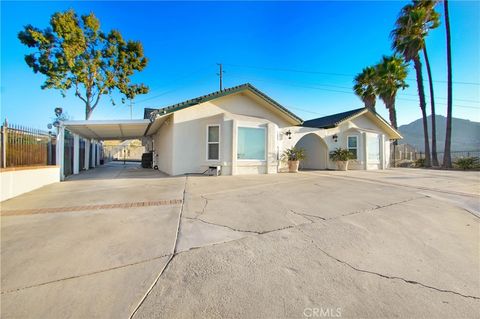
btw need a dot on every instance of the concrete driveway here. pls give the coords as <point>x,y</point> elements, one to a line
<point>120,242</point>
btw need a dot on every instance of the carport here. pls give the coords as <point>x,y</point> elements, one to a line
<point>79,143</point>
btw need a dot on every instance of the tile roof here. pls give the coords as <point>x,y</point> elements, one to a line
<point>204,98</point>
<point>332,120</point>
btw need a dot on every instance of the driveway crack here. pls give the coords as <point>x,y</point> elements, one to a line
<point>305,215</point>
<point>204,206</point>
<point>171,256</point>
<point>412,282</point>
<point>225,226</point>
<point>378,207</point>
<point>86,274</point>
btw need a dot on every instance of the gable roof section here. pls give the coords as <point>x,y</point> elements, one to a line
<point>208,97</point>
<point>337,119</point>
<point>332,120</point>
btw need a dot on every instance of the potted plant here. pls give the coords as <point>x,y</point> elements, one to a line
<point>293,156</point>
<point>341,157</point>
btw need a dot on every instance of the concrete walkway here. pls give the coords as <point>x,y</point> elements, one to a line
<point>396,243</point>
<point>89,247</point>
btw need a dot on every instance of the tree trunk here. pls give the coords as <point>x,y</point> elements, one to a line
<point>88,111</point>
<point>370,103</point>
<point>421,94</point>
<point>393,115</point>
<point>447,157</point>
<point>432,104</point>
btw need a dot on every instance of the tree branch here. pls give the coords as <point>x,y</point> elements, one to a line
<point>77,93</point>
<point>100,92</point>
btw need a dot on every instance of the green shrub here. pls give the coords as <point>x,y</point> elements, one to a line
<point>341,155</point>
<point>293,154</point>
<point>467,162</point>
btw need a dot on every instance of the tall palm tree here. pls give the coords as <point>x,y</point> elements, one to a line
<point>392,72</point>
<point>409,39</point>
<point>447,156</point>
<point>431,21</point>
<point>364,86</point>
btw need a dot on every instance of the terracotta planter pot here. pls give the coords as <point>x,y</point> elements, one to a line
<point>293,166</point>
<point>342,165</point>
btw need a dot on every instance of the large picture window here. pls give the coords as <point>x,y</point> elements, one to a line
<point>213,142</point>
<point>373,146</point>
<point>251,143</point>
<point>352,146</point>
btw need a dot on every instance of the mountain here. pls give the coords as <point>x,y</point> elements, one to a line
<point>465,134</point>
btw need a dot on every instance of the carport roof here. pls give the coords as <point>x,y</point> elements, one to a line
<point>108,130</point>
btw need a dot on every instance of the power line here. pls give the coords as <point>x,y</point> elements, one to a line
<point>329,73</point>
<point>185,76</point>
<point>172,90</point>
<point>350,93</point>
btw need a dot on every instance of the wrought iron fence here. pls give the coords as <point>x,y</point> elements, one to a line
<point>25,146</point>
<point>403,155</point>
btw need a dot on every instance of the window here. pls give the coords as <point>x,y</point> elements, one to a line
<point>213,142</point>
<point>251,143</point>
<point>373,147</point>
<point>352,145</point>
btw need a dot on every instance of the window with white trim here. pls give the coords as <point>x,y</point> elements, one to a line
<point>213,142</point>
<point>352,145</point>
<point>251,143</point>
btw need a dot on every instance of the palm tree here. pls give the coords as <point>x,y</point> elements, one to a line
<point>364,86</point>
<point>447,157</point>
<point>409,39</point>
<point>432,21</point>
<point>392,72</point>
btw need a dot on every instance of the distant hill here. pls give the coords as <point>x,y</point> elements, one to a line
<point>465,134</point>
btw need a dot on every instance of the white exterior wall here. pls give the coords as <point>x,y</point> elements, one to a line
<point>316,152</point>
<point>182,147</point>
<point>180,144</point>
<point>163,147</point>
<point>362,127</point>
<point>18,181</point>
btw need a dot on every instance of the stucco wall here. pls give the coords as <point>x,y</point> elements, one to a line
<point>362,127</point>
<point>17,181</point>
<point>190,136</point>
<point>316,152</point>
<point>163,142</point>
<point>249,105</point>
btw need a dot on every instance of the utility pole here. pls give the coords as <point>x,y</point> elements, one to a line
<point>220,74</point>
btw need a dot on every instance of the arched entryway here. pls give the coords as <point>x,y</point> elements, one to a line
<point>316,151</point>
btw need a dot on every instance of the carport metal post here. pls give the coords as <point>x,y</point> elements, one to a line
<point>87,155</point>
<point>94,146</point>
<point>60,152</point>
<point>76,154</point>
<point>99,153</point>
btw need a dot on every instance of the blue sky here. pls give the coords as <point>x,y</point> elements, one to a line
<point>325,43</point>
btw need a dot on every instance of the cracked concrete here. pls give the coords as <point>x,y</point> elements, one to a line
<point>247,246</point>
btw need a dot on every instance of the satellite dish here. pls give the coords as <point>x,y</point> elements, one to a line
<point>58,111</point>
<point>49,126</point>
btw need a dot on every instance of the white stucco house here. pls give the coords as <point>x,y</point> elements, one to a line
<point>243,131</point>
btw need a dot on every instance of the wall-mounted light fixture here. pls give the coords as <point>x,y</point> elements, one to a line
<point>335,138</point>
<point>288,134</point>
